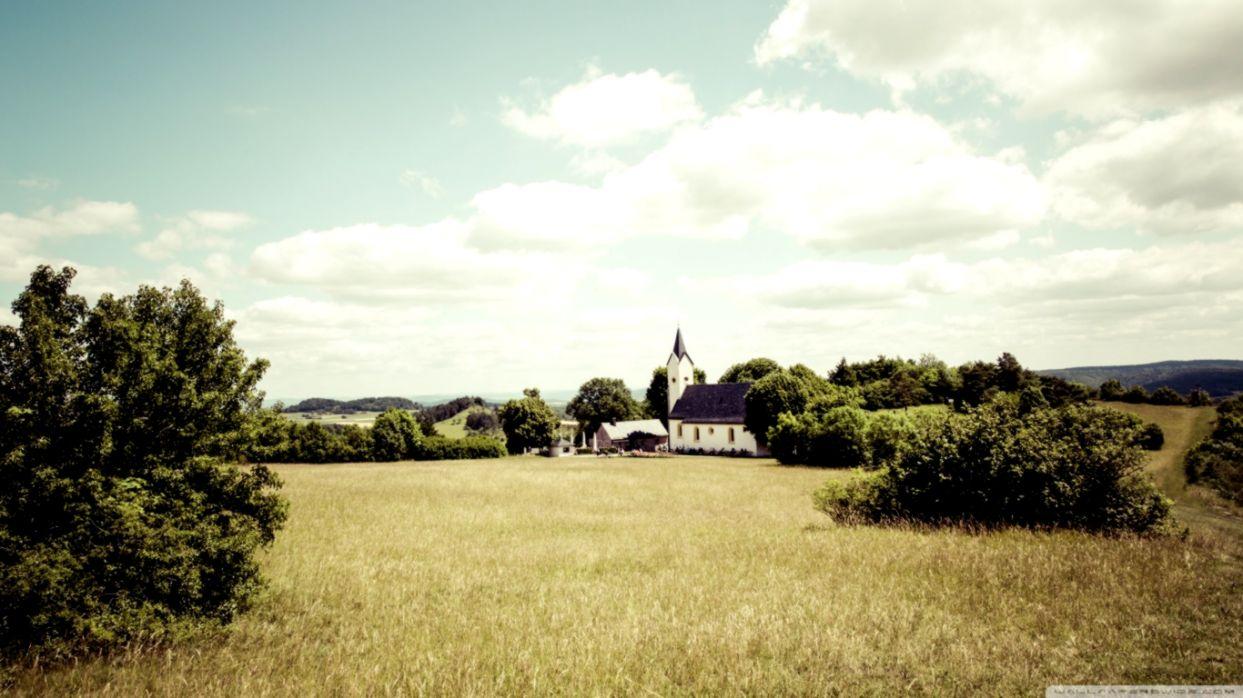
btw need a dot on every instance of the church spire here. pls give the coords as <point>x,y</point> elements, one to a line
<point>679,346</point>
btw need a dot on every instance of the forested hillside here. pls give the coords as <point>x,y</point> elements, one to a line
<point>1220,377</point>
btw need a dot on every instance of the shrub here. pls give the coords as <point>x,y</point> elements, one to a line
<point>1111,390</point>
<point>119,517</point>
<point>1150,437</point>
<point>1166,395</point>
<point>395,435</point>
<point>1199,398</point>
<point>1135,394</point>
<point>1217,461</point>
<point>836,437</point>
<point>466,448</point>
<point>1070,467</point>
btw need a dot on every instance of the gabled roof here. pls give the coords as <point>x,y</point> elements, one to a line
<point>679,346</point>
<point>720,403</point>
<point>620,430</point>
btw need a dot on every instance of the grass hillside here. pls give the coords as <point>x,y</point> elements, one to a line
<point>1220,377</point>
<point>455,426</point>
<point>684,576</point>
<point>1183,427</point>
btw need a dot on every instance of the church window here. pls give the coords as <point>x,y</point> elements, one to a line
<point>731,435</point>
<point>679,431</point>
<point>696,433</point>
<point>711,431</point>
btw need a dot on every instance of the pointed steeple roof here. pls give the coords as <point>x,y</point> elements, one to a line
<point>679,346</point>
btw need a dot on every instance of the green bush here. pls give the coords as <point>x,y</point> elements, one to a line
<point>119,517</point>
<point>1217,461</point>
<point>1166,395</point>
<point>1070,467</point>
<point>395,435</point>
<point>833,437</point>
<point>466,448</point>
<point>1150,437</point>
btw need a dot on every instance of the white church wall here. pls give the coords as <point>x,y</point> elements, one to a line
<point>712,437</point>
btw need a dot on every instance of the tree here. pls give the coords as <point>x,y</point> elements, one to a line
<point>1166,395</point>
<point>601,400</point>
<point>527,423</point>
<point>1135,394</point>
<point>979,381</point>
<point>1199,397</point>
<point>749,371</point>
<point>482,421</point>
<point>119,517</point>
<point>1011,376</point>
<point>395,435</point>
<point>776,393</point>
<point>1111,390</point>
<point>844,374</point>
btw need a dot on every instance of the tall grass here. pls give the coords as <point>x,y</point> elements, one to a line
<point>679,576</point>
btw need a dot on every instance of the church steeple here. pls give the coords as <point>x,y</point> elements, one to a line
<point>681,370</point>
<point>679,346</point>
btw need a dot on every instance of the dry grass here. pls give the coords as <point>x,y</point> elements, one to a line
<point>679,576</point>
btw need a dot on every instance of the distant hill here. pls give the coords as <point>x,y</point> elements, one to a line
<point>365,404</point>
<point>1220,377</point>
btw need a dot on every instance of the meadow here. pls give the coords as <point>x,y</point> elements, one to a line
<point>690,575</point>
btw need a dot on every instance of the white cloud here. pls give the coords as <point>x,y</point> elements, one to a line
<point>604,109</point>
<point>833,180</point>
<point>197,230</point>
<point>398,262</point>
<point>1090,58</point>
<point>37,182</point>
<point>21,236</point>
<point>1182,174</point>
<point>425,183</point>
<point>81,218</point>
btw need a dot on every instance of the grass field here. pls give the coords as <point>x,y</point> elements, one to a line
<point>685,576</point>
<point>362,419</point>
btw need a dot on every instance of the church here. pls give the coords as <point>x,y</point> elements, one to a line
<point>706,417</point>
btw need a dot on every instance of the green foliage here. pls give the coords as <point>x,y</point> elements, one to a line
<point>1068,467</point>
<point>467,448</point>
<point>1166,395</point>
<point>776,393</point>
<point>749,371</point>
<point>271,438</point>
<point>119,519</point>
<point>601,400</point>
<point>1217,461</point>
<point>1111,390</point>
<point>482,421</point>
<point>835,437</point>
<point>1199,398</point>
<point>1135,394</point>
<point>527,423</point>
<point>395,435</point>
<point>1151,438</point>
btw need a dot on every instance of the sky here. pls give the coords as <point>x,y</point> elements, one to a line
<point>450,198</point>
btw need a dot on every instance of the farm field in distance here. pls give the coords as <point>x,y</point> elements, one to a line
<point>691,575</point>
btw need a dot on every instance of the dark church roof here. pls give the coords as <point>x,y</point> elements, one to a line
<point>679,347</point>
<point>721,403</point>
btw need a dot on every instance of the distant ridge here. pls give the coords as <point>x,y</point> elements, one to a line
<point>1220,377</point>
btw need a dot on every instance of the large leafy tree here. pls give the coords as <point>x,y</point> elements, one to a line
<point>528,422</point>
<point>749,371</point>
<point>396,434</point>
<point>601,400</point>
<point>119,516</point>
